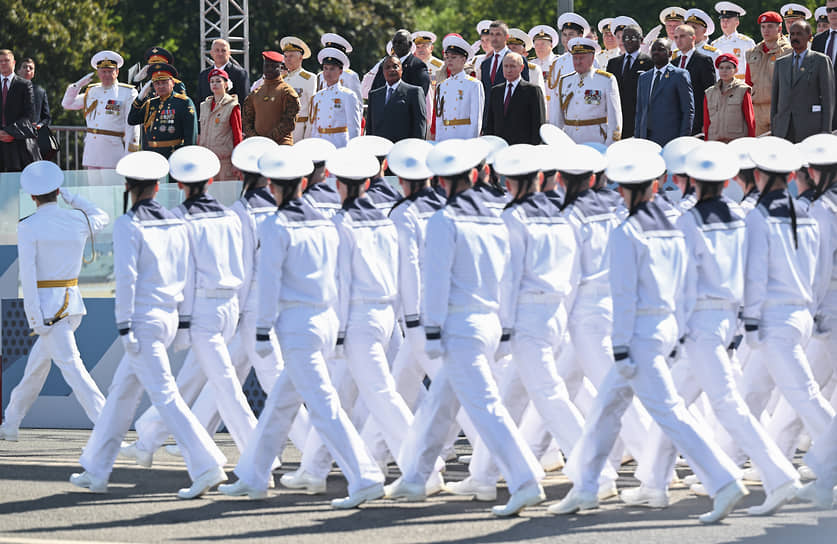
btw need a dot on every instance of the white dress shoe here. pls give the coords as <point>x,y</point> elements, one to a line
<point>174,449</point>
<point>239,489</point>
<point>607,490</point>
<point>143,458</point>
<point>691,480</point>
<point>203,483</point>
<point>464,459</point>
<point>299,479</point>
<point>699,490</point>
<point>775,500</point>
<point>573,502</point>
<point>357,498</point>
<point>477,490</point>
<point>435,484</point>
<point>8,433</point>
<point>820,495</point>
<point>645,496</point>
<point>399,489</point>
<point>751,474</point>
<point>88,481</point>
<point>724,502</point>
<point>805,473</point>
<point>529,495</point>
<point>552,460</point>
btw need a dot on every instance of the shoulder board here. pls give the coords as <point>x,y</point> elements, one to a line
<point>436,62</point>
<point>21,220</point>
<point>565,76</point>
<point>603,73</point>
<point>180,96</point>
<point>531,65</point>
<point>126,85</point>
<point>709,47</point>
<point>744,36</point>
<point>305,75</point>
<point>472,78</point>
<point>349,71</point>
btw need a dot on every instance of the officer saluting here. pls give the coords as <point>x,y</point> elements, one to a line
<point>105,106</point>
<point>335,110</point>
<point>459,98</point>
<point>302,81</point>
<point>168,120</point>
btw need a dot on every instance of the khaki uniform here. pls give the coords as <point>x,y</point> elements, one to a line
<point>725,116</point>
<point>270,111</point>
<point>761,64</point>
<point>216,134</point>
<point>588,108</point>
<point>305,85</point>
<point>459,107</point>
<point>737,44</point>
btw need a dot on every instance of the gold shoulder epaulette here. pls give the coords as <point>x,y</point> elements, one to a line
<point>181,96</point>
<point>126,85</point>
<point>603,73</point>
<point>710,48</point>
<point>471,78</point>
<point>305,75</point>
<point>436,62</point>
<point>531,65</point>
<point>349,71</point>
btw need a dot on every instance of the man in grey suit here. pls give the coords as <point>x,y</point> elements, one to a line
<point>802,102</point>
<point>397,110</point>
<point>665,105</point>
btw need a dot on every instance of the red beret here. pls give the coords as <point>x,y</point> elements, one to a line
<point>726,57</point>
<point>273,55</point>
<point>770,17</point>
<point>218,72</point>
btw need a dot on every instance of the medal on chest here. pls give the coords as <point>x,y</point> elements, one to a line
<point>592,97</point>
<point>338,103</point>
<point>113,107</point>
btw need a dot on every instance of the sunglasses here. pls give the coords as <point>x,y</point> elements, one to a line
<point>831,10</point>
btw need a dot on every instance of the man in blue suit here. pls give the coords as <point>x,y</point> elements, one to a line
<point>665,106</point>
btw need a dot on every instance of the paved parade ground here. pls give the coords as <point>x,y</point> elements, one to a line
<point>38,504</point>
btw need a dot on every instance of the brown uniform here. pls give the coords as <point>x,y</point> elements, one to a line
<point>727,120</point>
<point>270,111</point>
<point>760,63</point>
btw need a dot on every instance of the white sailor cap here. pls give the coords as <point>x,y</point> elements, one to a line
<point>819,149</point>
<point>483,26</point>
<point>377,146</point>
<point>475,47</point>
<point>389,47</point>
<point>407,159</point>
<point>795,10</point>
<point>246,155</point>
<point>552,135</point>
<point>776,155</point>
<point>579,46</point>
<point>143,165</point>
<point>676,151</point>
<point>423,36</point>
<point>518,160</point>
<point>728,9</point>
<point>741,147</point>
<point>455,156</point>
<point>673,13</point>
<point>712,162</point>
<point>700,17</point>
<point>492,145</point>
<point>821,15</point>
<point>633,145</point>
<point>518,37</point>
<point>106,59</point>
<point>193,164</point>
<point>573,21</point>
<point>352,165</point>
<point>544,32</point>
<point>284,163</point>
<point>621,21</point>
<point>580,159</point>
<point>316,149</point>
<point>330,55</point>
<point>634,166</point>
<point>41,177</point>
<point>457,44</point>
<point>330,39</point>
<point>292,43</point>
<point>607,23</point>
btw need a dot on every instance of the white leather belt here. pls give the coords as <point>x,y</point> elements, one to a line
<point>797,303</point>
<point>715,304</point>
<point>375,301</point>
<point>541,298</point>
<point>215,293</point>
<point>471,309</point>
<point>653,311</point>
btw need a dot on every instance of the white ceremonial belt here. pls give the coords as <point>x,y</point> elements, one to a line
<point>715,304</point>
<point>653,311</point>
<point>368,300</point>
<point>471,309</point>
<point>798,302</point>
<point>541,298</point>
<point>593,290</point>
<point>215,293</point>
<point>291,304</point>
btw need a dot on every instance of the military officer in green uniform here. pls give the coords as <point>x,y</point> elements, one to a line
<point>168,119</point>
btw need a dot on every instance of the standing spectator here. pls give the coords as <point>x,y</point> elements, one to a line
<point>821,15</point>
<point>18,142</point>
<point>700,68</point>
<point>414,69</point>
<point>336,111</point>
<point>40,116</point>
<point>761,61</point>
<point>270,110</point>
<point>515,110</point>
<point>665,106</point>
<point>826,42</point>
<point>221,54</point>
<point>627,69</point>
<point>303,82</point>
<point>802,102</point>
<point>459,98</point>
<point>727,106</point>
<point>220,119</point>
<point>397,110</point>
<point>733,41</point>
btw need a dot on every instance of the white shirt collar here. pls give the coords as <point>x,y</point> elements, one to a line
<point>502,52</point>
<point>514,83</point>
<point>405,57</point>
<point>8,77</point>
<point>224,67</point>
<point>394,85</point>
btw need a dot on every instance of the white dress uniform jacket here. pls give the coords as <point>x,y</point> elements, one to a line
<point>305,85</point>
<point>738,44</point>
<point>460,100</point>
<point>588,107</point>
<point>349,79</point>
<point>335,115</point>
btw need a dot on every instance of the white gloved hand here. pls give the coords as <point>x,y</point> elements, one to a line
<point>503,350</point>
<point>142,74</point>
<point>433,348</point>
<point>41,330</point>
<point>130,343</point>
<point>84,80</point>
<point>144,91</point>
<point>626,367</point>
<point>754,340</point>
<point>182,340</point>
<point>415,338</point>
<point>256,84</point>
<point>67,195</point>
<point>264,348</point>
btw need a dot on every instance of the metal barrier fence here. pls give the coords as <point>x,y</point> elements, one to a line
<point>71,141</point>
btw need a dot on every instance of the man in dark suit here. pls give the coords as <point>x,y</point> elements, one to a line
<point>413,69</point>
<point>220,53</point>
<point>802,102</point>
<point>491,69</point>
<point>515,110</point>
<point>627,68</point>
<point>826,42</point>
<point>665,107</point>
<point>700,67</point>
<point>18,140</point>
<point>397,110</point>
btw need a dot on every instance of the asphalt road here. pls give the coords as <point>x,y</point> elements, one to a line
<point>38,504</point>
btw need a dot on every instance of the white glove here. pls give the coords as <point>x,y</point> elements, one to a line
<point>67,196</point>
<point>263,348</point>
<point>144,91</point>
<point>433,348</point>
<point>415,338</point>
<point>503,350</point>
<point>256,84</point>
<point>626,368</point>
<point>41,330</point>
<point>141,74</point>
<point>85,80</point>
<point>339,347</point>
<point>754,340</point>
<point>182,340</point>
<point>130,343</point>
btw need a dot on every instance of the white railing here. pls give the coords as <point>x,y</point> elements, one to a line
<point>71,141</point>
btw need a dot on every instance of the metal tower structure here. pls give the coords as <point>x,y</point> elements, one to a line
<point>230,20</point>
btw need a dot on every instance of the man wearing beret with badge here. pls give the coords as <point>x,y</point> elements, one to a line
<point>271,110</point>
<point>760,65</point>
<point>168,119</point>
<point>105,105</point>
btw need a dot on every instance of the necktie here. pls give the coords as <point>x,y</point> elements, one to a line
<point>5,92</point>
<point>389,94</point>
<point>796,62</point>
<point>627,66</point>
<point>683,61</point>
<point>831,45</point>
<point>656,80</point>
<point>494,66</point>
<point>508,97</point>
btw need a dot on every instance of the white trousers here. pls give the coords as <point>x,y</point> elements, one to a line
<point>465,380</point>
<point>707,368</point>
<point>304,335</point>
<point>652,384</point>
<point>59,346</point>
<point>149,371</point>
<point>822,457</point>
